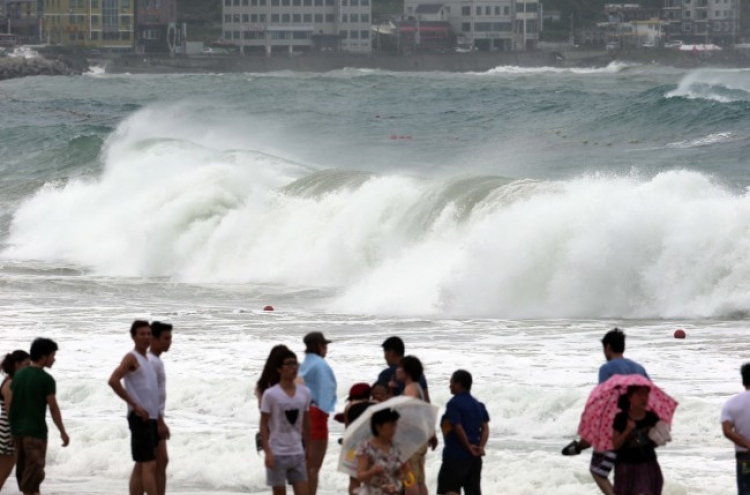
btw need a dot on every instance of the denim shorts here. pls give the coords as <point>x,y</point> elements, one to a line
<point>287,468</point>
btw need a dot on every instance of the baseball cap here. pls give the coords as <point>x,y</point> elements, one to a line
<point>315,338</point>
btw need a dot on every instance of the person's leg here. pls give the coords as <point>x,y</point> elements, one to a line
<point>601,465</point>
<point>20,460</point>
<point>473,480</point>
<point>34,460</point>
<point>279,490</point>
<point>6,467</point>
<point>450,477</point>
<point>297,474</point>
<point>148,474</point>
<point>318,446</point>
<point>317,454</point>
<point>135,485</point>
<point>743,475</point>
<point>301,488</point>
<point>162,459</point>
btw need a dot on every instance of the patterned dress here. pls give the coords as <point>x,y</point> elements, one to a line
<point>6,448</point>
<point>391,463</point>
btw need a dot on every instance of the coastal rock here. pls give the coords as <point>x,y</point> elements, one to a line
<point>14,67</point>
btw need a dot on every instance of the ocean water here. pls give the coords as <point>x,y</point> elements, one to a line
<point>500,222</point>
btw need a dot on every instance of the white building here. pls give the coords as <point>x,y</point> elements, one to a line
<point>296,26</point>
<point>703,21</point>
<point>489,25</point>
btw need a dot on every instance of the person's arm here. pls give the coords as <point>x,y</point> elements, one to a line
<point>411,391</point>
<point>484,438</point>
<point>620,437</point>
<point>462,438</point>
<point>364,472</point>
<point>729,432</point>
<point>7,397</point>
<point>306,440</point>
<point>54,411</point>
<point>127,365</point>
<point>161,381</point>
<point>265,432</point>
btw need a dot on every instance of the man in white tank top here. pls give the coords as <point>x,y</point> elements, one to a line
<point>141,393</point>
<point>161,340</point>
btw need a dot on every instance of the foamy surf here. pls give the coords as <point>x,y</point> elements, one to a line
<point>719,85</point>
<point>614,67</point>
<point>168,204</point>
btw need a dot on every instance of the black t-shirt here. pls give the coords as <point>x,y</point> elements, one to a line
<point>356,411</point>
<point>638,448</point>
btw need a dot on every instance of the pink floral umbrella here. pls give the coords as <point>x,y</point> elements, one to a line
<point>602,407</point>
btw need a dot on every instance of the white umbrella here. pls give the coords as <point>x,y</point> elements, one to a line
<point>416,425</point>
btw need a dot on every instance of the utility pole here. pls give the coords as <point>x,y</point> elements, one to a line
<point>572,36</point>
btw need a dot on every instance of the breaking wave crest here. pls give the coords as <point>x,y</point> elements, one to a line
<point>167,203</point>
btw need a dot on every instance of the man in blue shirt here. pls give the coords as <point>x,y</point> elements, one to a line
<point>602,463</point>
<point>393,352</point>
<point>466,430</point>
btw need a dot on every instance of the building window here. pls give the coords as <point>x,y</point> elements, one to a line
<point>506,10</point>
<point>329,3</point>
<point>318,18</point>
<point>364,17</point>
<point>236,3</point>
<point>342,35</point>
<point>307,3</point>
<point>365,35</point>
<point>274,17</point>
<point>125,36</point>
<point>364,3</point>
<point>330,17</point>
<point>318,3</point>
<point>344,18</point>
<point>520,7</point>
<point>227,35</point>
<point>245,18</point>
<point>274,3</point>
<point>254,18</point>
<point>296,3</point>
<point>482,26</point>
<point>686,14</point>
<point>94,20</point>
<point>497,10</point>
<point>307,18</point>
<point>466,11</point>
<point>354,18</point>
<point>95,35</point>
<point>354,3</point>
<point>285,18</point>
<point>227,18</point>
<point>227,3</point>
<point>236,18</point>
<point>262,3</point>
<point>94,5</point>
<point>245,3</point>
<point>466,27</point>
<point>354,35</point>
<point>296,18</point>
<point>687,27</point>
<point>479,10</point>
<point>301,35</point>
<point>262,18</point>
<point>285,3</point>
<point>488,10</point>
<point>531,7</point>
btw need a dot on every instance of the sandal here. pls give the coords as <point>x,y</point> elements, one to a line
<point>571,449</point>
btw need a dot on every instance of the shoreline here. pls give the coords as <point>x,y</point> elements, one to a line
<point>465,62</point>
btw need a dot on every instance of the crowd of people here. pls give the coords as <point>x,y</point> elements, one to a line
<point>296,400</point>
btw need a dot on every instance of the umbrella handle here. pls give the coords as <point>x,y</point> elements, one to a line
<point>409,480</point>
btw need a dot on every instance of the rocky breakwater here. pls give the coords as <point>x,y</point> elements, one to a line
<point>13,67</point>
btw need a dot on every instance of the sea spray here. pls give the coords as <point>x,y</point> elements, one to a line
<point>665,246</point>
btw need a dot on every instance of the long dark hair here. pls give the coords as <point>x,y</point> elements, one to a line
<point>270,375</point>
<point>11,359</point>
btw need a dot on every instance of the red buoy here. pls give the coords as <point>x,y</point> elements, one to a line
<point>680,333</point>
<point>268,308</point>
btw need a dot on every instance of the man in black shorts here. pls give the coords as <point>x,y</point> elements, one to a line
<point>141,393</point>
<point>466,430</point>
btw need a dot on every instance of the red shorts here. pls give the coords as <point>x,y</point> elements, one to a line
<point>318,424</point>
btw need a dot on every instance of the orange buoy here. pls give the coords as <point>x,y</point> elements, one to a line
<point>268,308</point>
<point>680,333</point>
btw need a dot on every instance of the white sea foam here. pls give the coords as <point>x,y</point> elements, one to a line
<point>167,205</point>
<point>720,85</point>
<point>96,71</point>
<point>715,138</point>
<point>612,68</point>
